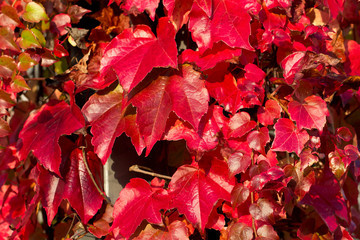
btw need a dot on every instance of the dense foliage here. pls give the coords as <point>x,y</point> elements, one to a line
<point>253,107</point>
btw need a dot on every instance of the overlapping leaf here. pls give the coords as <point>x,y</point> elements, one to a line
<point>134,53</point>
<point>42,131</point>
<point>184,93</point>
<point>309,114</point>
<point>109,119</point>
<point>195,190</point>
<point>136,202</point>
<point>288,137</point>
<point>76,186</point>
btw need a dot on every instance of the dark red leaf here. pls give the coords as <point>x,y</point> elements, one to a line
<point>288,137</point>
<point>76,13</point>
<point>108,118</point>
<point>184,93</point>
<point>309,114</point>
<point>205,138</point>
<point>344,134</point>
<point>134,53</point>
<point>240,194</point>
<point>326,198</point>
<point>138,6</point>
<point>43,129</point>
<point>136,202</point>
<point>195,190</point>
<point>76,186</point>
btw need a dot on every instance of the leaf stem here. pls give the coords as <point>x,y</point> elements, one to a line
<point>92,177</point>
<point>252,198</point>
<point>136,168</point>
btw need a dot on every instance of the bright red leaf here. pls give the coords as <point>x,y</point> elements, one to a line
<point>240,160</point>
<point>229,23</point>
<point>134,53</point>
<point>184,93</point>
<point>195,190</point>
<point>309,114</point>
<point>109,119</point>
<point>288,137</point>
<point>352,64</point>
<point>43,129</point>
<point>136,202</point>
<point>240,124</point>
<point>266,115</point>
<point>76,186</point>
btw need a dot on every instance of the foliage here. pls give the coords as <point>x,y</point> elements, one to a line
<point>256,104</point>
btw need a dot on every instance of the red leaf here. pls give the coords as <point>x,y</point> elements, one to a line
<point>134,53</point>
<point>76,186</point>
<point>136,202</point>
<point>108,118</point>
<point>288,137</point>
<point>183,93</point>
<point>258,139</point>
<point>205,138</point>
<point>266,115</point>
<point>208,59</point>
<point>43,129</point>
<point>325,197</point>
<point>61,21</point>
<point>195,190</point>
<point>307,158</point>
<point>59,50</point>
<point>229,23</point>
<point>344,134</point>
<point>273,173</point>
<point>292,64</point>
<point>240,161</point>
<point>352,64</point>
<point>309,114</point>
<point>138,6</point>
<point>240,124</point>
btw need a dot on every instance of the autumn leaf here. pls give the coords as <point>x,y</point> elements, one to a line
<point>183,92</point>
<point>43,129</point>
<point>75,185</point>
<point>134,53</point>
<point>288,137</point>
<point>136,202</point>
<point>195,190</point>
<point>309,114</point>
<point>109,119</point>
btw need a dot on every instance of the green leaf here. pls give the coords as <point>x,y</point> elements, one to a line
<point>35,12</point>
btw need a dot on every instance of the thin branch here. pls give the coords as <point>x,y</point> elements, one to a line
<point>136,168</point>
<point>252,198</point>
<point>92,177</point>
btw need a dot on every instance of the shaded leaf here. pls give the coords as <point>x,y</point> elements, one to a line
<point>138,6</point>
<point>177,230</point>
<point>266,115</point>
<point>184,93</point>
<point>108,118</point>
<point>76,186</point>
<point>43,129</point>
